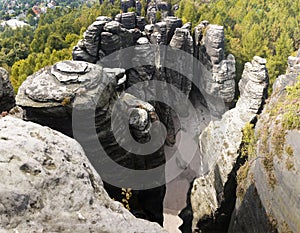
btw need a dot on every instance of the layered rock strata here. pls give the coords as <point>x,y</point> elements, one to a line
<point>211,195</point>
<point>268,187</point>
<point>210,50</point>
<point>217,76</point>
<point>116,36</point>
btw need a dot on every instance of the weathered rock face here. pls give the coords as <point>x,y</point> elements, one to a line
<point>119,34</point>
<point>48,185</point>
<point>250,86</point>
<point>7,96</point>
<point>182,40</point>
<point>172,23</point>
<point>210,47</point>
<point>79,96</point>
<point>182,80</point>
<point>114,36</point>
<point>151,13</point>
<point>128,20</point>
<point>219,145</point>
<point>138,7</point>
<point>154,7</point>
<point>268,190</point>
<point>126,4</point>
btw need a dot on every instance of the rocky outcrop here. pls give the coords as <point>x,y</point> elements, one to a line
<point>7,96</point>
<point>210,50</point>
<point>119,34</point>
<point>182,40</point>
<point>219,147</point>
<point>182,80</point>
<point>138,7</point>
<point>113,34</point>
<point>126,4</point>
<point>77,98</point>
<point>151,13</point>
<point>155,8</point>
<point>48,185</point>
<point>268,184</point>
<point>128,20</point>
<point>171,24</point>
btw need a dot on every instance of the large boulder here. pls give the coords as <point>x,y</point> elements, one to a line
<point>268,184</point>
<point>48,185</point>
<point>7,96</point>
<point>212,195</point>
<point>78,99</point>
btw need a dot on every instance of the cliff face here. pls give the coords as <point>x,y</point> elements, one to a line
<point>215,74</point>
<point>210,50</point>
<point>48,185</point>
<point>211,197</point>
<point>7,96</point>
<point>268,187</point>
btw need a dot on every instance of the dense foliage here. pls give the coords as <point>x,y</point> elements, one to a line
<point>267,28</point>
<point>14,45</point>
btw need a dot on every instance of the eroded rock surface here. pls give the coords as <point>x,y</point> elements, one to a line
<point>78,98</point>
<point>7,96</point>
<point>143,62</point>
<point>219,146</point>
<point>48,185</point>
<point>210,50</point>
<point>268,188</point>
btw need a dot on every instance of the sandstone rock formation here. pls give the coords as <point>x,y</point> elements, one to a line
<point>157,7</point>
<point>7,96</point>
<point>219,146</point>
<point>113,34</point>
<point>119,34</point>
<point>218,82</point>
<point>77,98</point>
<point>151,13</point>
<point>268,188</point>
<point>48,185</point>
<point>210,50</point>
<point>126,4</point>
<point>128,20</point>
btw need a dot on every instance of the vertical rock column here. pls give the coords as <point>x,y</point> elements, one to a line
<point>220,81</point>
<point>181,40</point>
<point>211,195</point>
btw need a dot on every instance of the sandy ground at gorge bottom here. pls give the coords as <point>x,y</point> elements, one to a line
<point>176,194</point>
